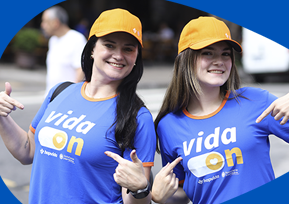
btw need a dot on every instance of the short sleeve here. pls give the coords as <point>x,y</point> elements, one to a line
<point>145,139</point>
<point>168,148</point>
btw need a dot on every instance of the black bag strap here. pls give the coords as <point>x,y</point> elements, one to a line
<point>60,88</point>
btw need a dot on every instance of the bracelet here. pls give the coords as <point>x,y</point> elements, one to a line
<point>142,193</point>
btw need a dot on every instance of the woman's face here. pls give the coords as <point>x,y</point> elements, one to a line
<point>214,65</point>
<point>114,57</point>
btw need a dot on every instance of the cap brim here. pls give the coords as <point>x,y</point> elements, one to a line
<point>103,33</point>
<point>205,43</point>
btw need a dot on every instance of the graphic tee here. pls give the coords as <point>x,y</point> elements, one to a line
<point>226,153</point>
<point>71,135</point>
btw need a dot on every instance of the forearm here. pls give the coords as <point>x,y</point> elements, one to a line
<point>20,143</point>
<point>128,198</point>
<point>179,197</point>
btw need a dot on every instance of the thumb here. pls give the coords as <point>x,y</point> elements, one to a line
<point>8,88</point>
<point>134,157</point>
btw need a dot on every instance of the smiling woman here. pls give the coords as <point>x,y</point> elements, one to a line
<point>214,66</point>
<point>209,121</point>
<point>114,57</point>
<point>71,137</point>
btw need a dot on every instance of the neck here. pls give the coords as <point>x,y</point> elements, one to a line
<point>206,103</point>
<point>62,30</point>
<point>97,90</point>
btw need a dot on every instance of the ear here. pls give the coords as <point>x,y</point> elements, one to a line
<point>91,56</point>
<point>56,23</point>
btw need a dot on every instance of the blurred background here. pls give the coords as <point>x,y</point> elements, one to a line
<point>162,23</point>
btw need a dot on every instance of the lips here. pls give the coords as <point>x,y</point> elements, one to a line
<point>116,65</point>
<point>216,71</point>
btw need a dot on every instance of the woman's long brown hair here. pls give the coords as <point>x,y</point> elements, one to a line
<point>184,84</point>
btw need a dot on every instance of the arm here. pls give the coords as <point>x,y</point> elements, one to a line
<point>179,197</point>
<point>20,143</point>
<point>278,109</point>
<point>128,198</point>
<point>131,175</point>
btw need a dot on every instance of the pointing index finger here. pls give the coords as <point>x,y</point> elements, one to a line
<point>114,156</point>
<point>172,165</point>
<point>15,103</point>
<point>265,113</point>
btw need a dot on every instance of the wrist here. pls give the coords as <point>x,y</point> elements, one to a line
<point>141,193</point>
<point>158,200</point>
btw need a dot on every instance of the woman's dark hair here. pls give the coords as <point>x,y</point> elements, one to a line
<point>128,102</point>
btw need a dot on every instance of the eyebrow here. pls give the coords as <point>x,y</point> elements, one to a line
<point>129,44</point>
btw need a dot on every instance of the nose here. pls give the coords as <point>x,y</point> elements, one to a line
<point>218,61</point>
<point>117,54</point>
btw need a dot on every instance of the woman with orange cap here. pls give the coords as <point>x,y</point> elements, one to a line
<point>70,136</point>
<point>210,122</point>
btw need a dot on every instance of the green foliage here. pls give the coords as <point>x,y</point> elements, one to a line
<point>26,40</point>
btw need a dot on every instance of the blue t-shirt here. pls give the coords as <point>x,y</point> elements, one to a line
<point>71,135</point>
<point>226,153</point>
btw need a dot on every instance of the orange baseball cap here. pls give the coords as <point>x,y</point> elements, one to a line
<point>204,31</point>
<point>117,20</point>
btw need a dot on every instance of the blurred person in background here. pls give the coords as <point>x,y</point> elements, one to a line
<point>64,48</point>
<point>166,43</point>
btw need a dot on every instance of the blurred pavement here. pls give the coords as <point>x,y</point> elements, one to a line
<point>24,80</point>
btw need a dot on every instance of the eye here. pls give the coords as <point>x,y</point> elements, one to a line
<point>129,49</point>
<point>226,54</point>
<point>108,45</point>
<point>206,53</point>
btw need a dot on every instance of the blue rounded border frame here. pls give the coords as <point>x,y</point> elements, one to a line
<point>15,14</point>
<point>269,20</point>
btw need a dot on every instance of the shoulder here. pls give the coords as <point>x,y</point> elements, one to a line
<point>170,119</point>
<point>76,34</point>
<point>252,92</point>
<point>144,113</point>
<point>57,89</point>
<point>256,95</point>
<point>52,40</point>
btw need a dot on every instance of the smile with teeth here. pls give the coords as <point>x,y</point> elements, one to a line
<point>116,65</point>
<point>216,71</point>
